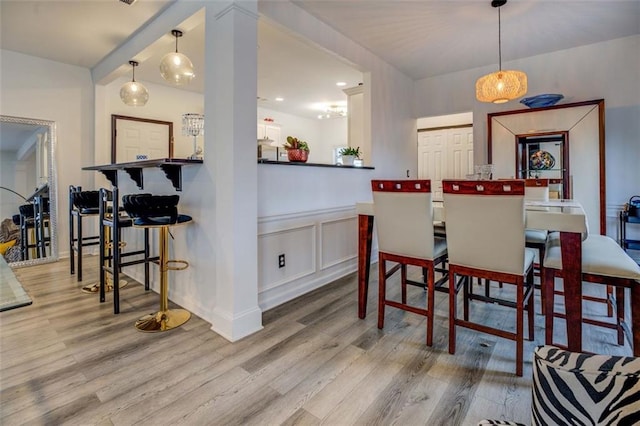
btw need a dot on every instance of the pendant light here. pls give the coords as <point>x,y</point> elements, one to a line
<point>175,67</point>
<point>503,85</point>
<point>134,93</point>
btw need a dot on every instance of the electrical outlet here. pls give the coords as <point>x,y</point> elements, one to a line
<point>281,261</point>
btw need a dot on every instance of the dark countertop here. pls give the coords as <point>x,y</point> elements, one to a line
<point>294,163</point>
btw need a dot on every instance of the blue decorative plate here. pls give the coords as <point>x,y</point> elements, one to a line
<point>545,100</point>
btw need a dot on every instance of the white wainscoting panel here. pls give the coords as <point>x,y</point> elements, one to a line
<point>297,244</point>
<point>320,246</point>
<point>338,241</point>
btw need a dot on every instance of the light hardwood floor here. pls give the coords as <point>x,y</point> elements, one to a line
<point>67,359</point>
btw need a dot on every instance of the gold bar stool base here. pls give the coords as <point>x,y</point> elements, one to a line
<point>95,288</point>
<point>163,320</point>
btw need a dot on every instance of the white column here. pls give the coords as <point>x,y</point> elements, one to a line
<point>230,135</point>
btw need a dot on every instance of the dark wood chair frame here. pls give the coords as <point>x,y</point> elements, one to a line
<point>429,267</point>
<point>620,325</point>
<point>524,283</point>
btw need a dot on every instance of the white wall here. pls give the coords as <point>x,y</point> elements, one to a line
<point>46,90</point>
<point>165,103</point>
<point>18,176</point>
<point>392,127</point>
<point>322,135</point>
<point>607,70</point>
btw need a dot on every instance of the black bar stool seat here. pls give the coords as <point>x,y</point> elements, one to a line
<point>159,211</point>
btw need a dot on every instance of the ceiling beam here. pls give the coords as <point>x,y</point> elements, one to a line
<point>179,14</point>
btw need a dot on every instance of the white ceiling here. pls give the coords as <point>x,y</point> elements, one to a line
<point>422,38</point>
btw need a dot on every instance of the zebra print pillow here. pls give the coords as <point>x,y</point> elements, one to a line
<point>580,389</point>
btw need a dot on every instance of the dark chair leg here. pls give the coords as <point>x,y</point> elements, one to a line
<point>382,281</point>
<point>403,274</point>
<point>548,286</point>
<point>452,312</point>
<point>146,258</point>
<point>620,314</point>
<point>79,248</point>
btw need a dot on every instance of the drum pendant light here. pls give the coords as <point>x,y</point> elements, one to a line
<point>175,67</point>
<point>502,85</point>
<point>134,93</point>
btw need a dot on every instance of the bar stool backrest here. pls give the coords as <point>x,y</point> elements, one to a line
<point>147,206</point>
<point>27,210</point>
<point>485,224</point>
<point>404,217</point>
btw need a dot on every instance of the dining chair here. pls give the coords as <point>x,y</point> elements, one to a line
<point>537,189</point>
<point>404,221</point>
<point>485,239</point>
<point>603,262</point>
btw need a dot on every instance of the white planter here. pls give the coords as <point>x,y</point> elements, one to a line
<point>347,160</point>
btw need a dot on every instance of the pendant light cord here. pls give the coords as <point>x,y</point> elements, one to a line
<point>176,43</point>
<point>499,42</point>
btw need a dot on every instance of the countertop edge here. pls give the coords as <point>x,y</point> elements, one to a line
<point>294,163</point>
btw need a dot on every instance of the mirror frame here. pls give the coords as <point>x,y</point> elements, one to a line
<point>523,122</point>
<point>53,189</point>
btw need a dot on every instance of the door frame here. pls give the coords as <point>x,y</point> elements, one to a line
<point>114,141</point>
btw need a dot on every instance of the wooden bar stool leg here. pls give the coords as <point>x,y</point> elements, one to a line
<point>165,319</point>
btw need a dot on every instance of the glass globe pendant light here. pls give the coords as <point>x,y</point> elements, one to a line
<point>503,85</point>
<point>134,93</point>
<point>175,67</point>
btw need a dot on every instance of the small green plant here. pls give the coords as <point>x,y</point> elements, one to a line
<point>295,143</point>
<point>351,151</point>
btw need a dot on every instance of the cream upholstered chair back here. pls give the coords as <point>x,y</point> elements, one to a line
<point>536,189</point>
<point>485,223</point>
<point>403,212</point>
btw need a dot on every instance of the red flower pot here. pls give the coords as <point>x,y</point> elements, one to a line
<point>298,155</point>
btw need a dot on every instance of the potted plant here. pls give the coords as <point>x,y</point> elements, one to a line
<point>297,150</point>
<point>348,155</point>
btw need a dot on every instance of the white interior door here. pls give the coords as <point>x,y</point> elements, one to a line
<point>138,138</point>
<point>459,152</point>
<point>444,154</point>
<point>432,159</point>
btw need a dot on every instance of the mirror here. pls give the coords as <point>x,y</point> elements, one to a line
<point>545,156</point>
<point>28,178</point>
<point>135,138</point>
<point>580,128</point>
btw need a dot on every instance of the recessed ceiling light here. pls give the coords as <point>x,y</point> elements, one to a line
<point>341,84</point>
<point>279,99</point>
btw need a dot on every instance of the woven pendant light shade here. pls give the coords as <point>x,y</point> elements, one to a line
<point>501,86</point>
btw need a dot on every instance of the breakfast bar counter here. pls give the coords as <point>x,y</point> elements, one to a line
<point>172,167</point>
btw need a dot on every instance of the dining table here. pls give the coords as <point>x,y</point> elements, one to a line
<point>562,215</point>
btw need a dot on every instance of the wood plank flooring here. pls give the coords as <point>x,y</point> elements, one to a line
<point>67,359</point>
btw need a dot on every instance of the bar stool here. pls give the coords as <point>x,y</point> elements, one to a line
<point>42,224</point>
<point>112,257</point>
<point>28,234</point>
<point>81,204</point>
<point>159,211</point>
